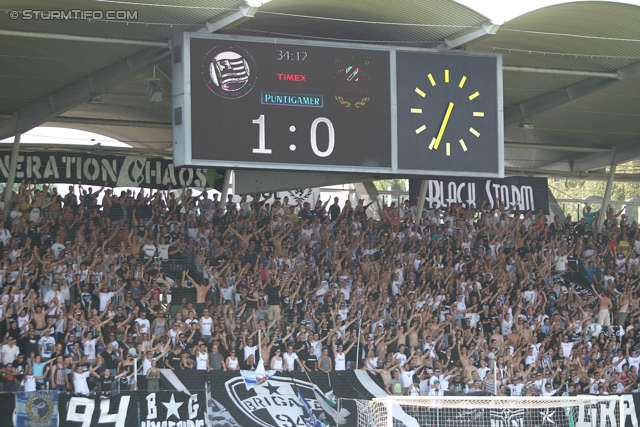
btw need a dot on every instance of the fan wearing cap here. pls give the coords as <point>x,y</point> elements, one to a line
<point>435,387</point>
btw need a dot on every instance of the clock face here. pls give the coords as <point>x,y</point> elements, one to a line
<point>448,117</point>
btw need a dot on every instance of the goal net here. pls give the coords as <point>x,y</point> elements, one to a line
<point>492,411</point>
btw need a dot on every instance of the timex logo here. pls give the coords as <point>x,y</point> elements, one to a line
<point>292,77</point>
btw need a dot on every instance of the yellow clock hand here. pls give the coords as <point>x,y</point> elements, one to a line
<point>443,126</point>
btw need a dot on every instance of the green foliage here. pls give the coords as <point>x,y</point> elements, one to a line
<point>579,189</point>
<point>384,184</point>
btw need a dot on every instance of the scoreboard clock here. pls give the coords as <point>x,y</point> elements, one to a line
<point>449,113</point>
<point>252,103</point>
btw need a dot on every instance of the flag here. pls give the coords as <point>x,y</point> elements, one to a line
<point>36,408</point>
<point>310,420</point>
<point>257,377</point>
<point>231,70</point>
<point>215,178</point>
<point>329,406</point>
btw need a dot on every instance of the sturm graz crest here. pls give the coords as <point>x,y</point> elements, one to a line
<point>274,403</point>
<point>229,71</point>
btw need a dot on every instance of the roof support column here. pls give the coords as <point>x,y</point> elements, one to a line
<point>421,198</point>
<point>607,191</point>
<point>225,189</point>
<point>368,192</point>
<point>13,166</point>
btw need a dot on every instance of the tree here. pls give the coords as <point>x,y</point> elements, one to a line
<point>579,189</point>
<point>385,184</point>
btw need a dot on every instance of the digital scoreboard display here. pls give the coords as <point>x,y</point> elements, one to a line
<point>253,103</point>
<point>289,104</point>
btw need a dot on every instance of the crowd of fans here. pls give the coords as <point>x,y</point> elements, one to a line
<point>460,299</point>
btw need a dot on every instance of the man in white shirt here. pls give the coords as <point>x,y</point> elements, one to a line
<point>10,351</point>
<point>5,234</point>
<point>483,369</point>
<point>105,297</point>
<point>80,385</point>
<point>566,346</point>
<point>406,376</point>
<point>57,249</point>
<point>400,356</point>
<point>516,388</point>
<point>530,295</point>
<point>53,294</point>
<point>46,344</point>
<point>143,322</point>
<point>149,249</point>
<point>530,359</point>
<point>89,347</point>
<point>595,382</point>
<point>618,361</point>
<point>289,359</point>
<point>547,390</point>
<point>634,361</point>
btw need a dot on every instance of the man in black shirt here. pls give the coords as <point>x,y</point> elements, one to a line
<point>110,357</point>
<point>182,342</point>
<point>174,358</point>
<point>30,343</point>
<point>458,385</point>
<point>119,320</point>
<point>334,210</point>
<point>193,336</point>
<point>273,300</point>
<point>107,383</point>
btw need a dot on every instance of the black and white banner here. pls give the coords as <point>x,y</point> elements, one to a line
<point>228,403</point>
<point>81,411</point>
<point>274,403</point>
<point>169,409</point>
<point>96,169</point>
<point>580,285</point>
<point>519,194</point>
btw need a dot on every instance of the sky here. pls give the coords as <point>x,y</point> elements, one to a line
<point>57,135</point>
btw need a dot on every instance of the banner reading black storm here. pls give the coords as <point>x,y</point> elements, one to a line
<point>519,194</point>
<point>118,171</point>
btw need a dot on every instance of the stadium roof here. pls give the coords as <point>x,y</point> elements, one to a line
<point>571,71</point>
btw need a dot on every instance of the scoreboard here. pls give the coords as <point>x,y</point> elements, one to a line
<point>254,103</point>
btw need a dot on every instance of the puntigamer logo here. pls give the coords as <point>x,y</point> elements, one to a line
<point>229,71</point>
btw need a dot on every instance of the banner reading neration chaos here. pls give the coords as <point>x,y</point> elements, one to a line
<point>286,400</point>
<point>518,193</point>
<point>118,171</point>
